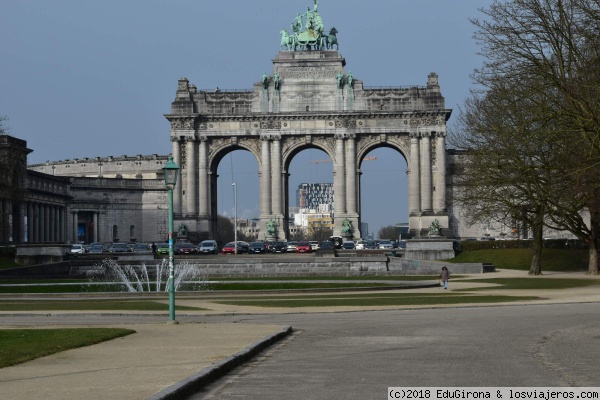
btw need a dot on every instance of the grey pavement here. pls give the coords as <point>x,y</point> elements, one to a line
<point>161,358</point>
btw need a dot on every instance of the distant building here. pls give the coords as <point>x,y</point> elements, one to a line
<point>315,196</point>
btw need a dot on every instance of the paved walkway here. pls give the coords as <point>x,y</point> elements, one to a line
<point>160,355</point>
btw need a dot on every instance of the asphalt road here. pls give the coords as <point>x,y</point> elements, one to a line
<point>358,355</point>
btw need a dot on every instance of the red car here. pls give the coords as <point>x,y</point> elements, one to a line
<point>186,248</point>
<point>303,247</point>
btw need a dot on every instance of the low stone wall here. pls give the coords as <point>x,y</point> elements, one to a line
<point>429,249</point>
<point>427,267</point>
<point>33,254</point>
<point>253,266</point>
<point>256,266</point>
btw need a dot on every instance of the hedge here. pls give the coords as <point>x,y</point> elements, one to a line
<point>473,245</point>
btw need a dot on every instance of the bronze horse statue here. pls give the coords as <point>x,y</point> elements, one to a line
<point>332,39</point>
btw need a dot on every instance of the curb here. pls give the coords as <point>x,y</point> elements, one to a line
<point>192,384</point>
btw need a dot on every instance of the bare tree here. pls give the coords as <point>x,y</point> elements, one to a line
<point>319,233</point>
<point>532,130</point>
<point>389,232</point>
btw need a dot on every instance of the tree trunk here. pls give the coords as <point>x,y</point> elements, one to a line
<point>594,243</point>
<point>536,259</point>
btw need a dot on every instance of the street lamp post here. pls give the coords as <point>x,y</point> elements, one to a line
<point>170,171</point>
<point>235,216</point>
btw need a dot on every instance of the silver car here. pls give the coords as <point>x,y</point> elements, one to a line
<point>208,247</point>
<point>386,244</point>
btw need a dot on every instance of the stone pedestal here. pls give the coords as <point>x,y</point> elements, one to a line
<point>429,249</point>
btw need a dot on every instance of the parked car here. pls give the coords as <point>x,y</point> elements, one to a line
<point>245,246</point>
<point>279,247</point>
<point>291,246</point>
<point>77,249</point>
<point>348,245</point>
<point>337,241</point>
<point>360,245</point>
<point>314,245</point>
<point>186,248</point>
<point>303,247</point>
<point>141,248</point>
<point>96,249</point>
<point>162,248</point>
<point>229,248</point>
<point>118,248</point>
<point>402,244</point>
<point>386,244</point>
<point>326,245</point>
<point>208,247</point>
<point>257,248</point>
<point>371,245</point>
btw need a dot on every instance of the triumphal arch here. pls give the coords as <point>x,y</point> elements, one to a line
<point>308,100</point>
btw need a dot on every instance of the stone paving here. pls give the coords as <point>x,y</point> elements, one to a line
<point>160,355</point>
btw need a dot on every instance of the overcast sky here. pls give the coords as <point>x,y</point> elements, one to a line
<point>83,78</point>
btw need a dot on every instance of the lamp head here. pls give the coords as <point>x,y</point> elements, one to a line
<point>170,171</point>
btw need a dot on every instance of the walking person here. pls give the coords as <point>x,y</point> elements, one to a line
<point>444,276</point>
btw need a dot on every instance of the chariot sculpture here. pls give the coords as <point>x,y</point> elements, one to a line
<point>312,37</point>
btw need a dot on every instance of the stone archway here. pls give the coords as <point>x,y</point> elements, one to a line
<point>307,106</point>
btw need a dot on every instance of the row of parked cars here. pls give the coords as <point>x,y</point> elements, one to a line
<point>212,247</point>
<point>98,247</point>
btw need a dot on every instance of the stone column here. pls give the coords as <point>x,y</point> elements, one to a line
<point>62,224</point>
<point>351,176</point>
<point>277,185</point>
<point>277,204</point>
<point>30,223</point>
<point>191,171</point>
<point>439,204</point>
<point>51,223</point>
<point>178,192</point>
<point>339,185</point>
<point>414,186</point>
<point>10,221</point>
<point>75,221</point>
<point>22,225</point>
<point>43,224</point>
<point>203,190</point>
<point>426,172</point>
<point>96,227</point>
<point>265,186</point>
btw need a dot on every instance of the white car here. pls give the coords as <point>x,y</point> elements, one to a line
<point>386,244</point>
<point>77,249</point>
<point>314,245</point>
<point>360,245</point>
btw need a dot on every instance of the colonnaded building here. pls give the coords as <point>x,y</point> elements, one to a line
<point>308,100</point>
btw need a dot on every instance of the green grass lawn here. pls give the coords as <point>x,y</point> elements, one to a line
<point>6,262</point>
<point>379,299</point>
<point>534,283</point>
<point>87,305</point>
<point>552,259</point>
<point>240,284</point>
<point>20,345</point>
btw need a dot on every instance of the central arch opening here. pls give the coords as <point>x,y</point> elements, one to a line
<point>309,195</point>
<point>383,193</point>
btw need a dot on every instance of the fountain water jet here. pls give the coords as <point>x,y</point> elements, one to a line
<point>139,279</point>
